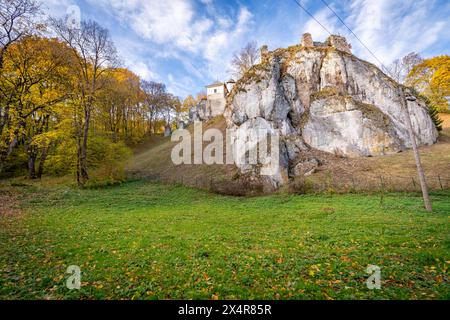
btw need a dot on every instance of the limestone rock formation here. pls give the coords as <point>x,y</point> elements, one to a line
<point>324,98</point>
<point>200,112</point>
<point>206,110</point>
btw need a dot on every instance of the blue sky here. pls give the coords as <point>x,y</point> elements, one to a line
<point>188,44</point>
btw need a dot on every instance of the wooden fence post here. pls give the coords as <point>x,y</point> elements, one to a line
<point>382,191</point>
<point>440,182</point>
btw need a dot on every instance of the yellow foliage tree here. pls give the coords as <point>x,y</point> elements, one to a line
<point>31,88</point>
<point>120,112</point>
<point>432,79</point>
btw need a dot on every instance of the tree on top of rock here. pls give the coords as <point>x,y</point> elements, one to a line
<point>245,59</point>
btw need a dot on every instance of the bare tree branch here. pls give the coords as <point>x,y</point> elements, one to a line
<point>245,59</point>
<point>400,68</point>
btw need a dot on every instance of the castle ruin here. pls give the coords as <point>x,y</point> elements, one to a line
<point>307,40</point>
<point>334,41</point>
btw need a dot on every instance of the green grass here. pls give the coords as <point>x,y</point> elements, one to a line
<point>147,241</point>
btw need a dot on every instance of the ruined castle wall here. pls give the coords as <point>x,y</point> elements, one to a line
<point>340,43</point>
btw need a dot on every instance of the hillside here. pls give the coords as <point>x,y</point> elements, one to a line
<point>155,163</point>
<point>338,173</point>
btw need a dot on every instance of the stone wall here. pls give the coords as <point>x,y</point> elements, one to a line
<point>340,43</point>
<point>263,51</point>
<point>307,40</point>
<point>334,41</point>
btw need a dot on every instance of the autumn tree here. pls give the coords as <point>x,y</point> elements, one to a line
<point>120,110</point>
<point>168,108</point>
<point>201,96</point>
<point>180,109</point>
<point>17,20</point>
<point>66,107</point>
<point>189,102</point>
<point>31,86</point>
<point>95,56</point>
<point>154,101</point>
<point>432,79</point>
<point>242,61</point>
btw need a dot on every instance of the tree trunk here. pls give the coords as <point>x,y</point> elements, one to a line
<point>2,53</point>
<point>4,119</point>
<point>42,162</point>
<point>15,140</point>
<point>11,147</point>
<point>421,173</point>
<point>83,151</point>
<point>31,166</point>
<point>31,150</point>
<point>79,182</point>
<point>5,153</point>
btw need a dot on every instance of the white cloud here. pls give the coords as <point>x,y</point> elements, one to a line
<point>327,20</point>
<point>391,29</point>
<point>221,45</point>
<point>178,27</point>
<point>57,7</point>
<point>183,32</point>
<point>174,22</point>
<point>160,21</point>
<point>143,71</point>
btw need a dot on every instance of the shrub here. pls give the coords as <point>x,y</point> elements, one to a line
<point>63,159</point>
<point>106,160</point>
<point>300,185</point>
<point>241,186</point>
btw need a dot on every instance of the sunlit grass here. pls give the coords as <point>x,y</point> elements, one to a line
<point>146,241</point>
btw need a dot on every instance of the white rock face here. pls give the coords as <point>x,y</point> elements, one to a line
<point>343,126</point>
<point>207,109</point>
<point>327,100</point>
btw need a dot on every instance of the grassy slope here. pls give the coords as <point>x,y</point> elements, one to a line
<point>397,170</point>
<point>151,241</point>
<point>156,160</point>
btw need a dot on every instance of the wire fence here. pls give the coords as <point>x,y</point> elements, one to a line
<point>384,183</point>
<point>329,184</point>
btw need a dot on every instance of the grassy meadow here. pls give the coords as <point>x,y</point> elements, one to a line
<point>151,241</point>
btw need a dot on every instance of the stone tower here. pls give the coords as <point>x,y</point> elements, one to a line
<point>340,43</point>
<point>263,52</point>
<point>307,40</point>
